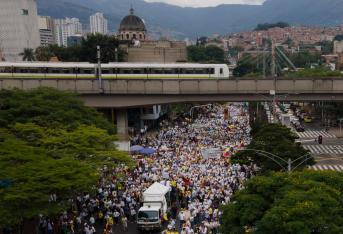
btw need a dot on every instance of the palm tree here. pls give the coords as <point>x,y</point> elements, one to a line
<point>28,54</point>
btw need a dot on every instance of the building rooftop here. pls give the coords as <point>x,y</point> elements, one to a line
<point>132,22</point>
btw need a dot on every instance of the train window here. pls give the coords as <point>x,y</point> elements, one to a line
<point>105,71</point>
<point>56,71</point>
<point>211,71</point>
<point>66,71</point>
<point>221,71</point>
<point>6,70</point>
<point>189,71</point>
<point>200,71</point>
<point>44,70</point>
<point>126,71</point>
<point>33,70</point>
<point>87,71</point>
<point>168,71</point>
<point>137,71</point>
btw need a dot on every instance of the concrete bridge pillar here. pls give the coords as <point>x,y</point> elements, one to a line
<point>122,122</point>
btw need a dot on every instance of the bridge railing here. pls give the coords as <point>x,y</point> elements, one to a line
<point>183,86</point>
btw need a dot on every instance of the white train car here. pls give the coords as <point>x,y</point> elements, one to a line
<point>112,70</point>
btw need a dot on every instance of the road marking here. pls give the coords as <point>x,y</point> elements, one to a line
<point>324,149</point>
<point>338,168</point>
<point>315,134</point>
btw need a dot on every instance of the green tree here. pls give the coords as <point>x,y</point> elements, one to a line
<point>108,45</point>
<point>89,144</point>
<point>28,54</point>
<point>247,65</point>
<point>266,26</point>
<point>50,144</point>
<point>48,108</point>
<point>305,59</point>
<point>276,140</point>
<point>302,202</point>
<point>234,51</point>
<point>33,177</point>
<point>327,46</point>
<point>86,51</point>
<point>315,72</point>
<point>206,54</point>
<point>43,53</point>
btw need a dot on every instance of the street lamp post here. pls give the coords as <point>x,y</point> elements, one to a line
<point>98,55</point>
<point>278,160</point>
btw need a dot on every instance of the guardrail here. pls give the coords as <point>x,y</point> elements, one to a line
<point>182,86</point>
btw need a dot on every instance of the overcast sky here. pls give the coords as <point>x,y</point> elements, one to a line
<point>206,3</point>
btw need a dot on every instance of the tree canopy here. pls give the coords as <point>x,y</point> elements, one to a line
<point>270,143</point>
<point>48,108</point>
<point>247,65</point>
<point>85,52</point>
<point>28,55</point>
<point>315,72</point>
<point>300,202</point>
<point>52,148</point>
<point>266,26</point>
<point>305,59</point>
<point>206,54</point>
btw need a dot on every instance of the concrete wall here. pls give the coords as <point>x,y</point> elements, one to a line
<point>18,28</point>
<point>137,92</point>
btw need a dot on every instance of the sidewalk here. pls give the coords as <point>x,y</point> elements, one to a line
<point>337,132</point>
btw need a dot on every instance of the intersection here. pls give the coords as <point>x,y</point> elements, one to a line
<point>329,154</point>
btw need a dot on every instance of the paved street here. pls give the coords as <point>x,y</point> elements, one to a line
<point>315,134</point>
<point>324,149</point>
<point>329,155</point>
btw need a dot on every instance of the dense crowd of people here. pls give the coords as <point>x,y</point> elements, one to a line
<point>192,155</point>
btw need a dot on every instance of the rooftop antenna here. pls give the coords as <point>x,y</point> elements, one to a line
<point>132,11</point>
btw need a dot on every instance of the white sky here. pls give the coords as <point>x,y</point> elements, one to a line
<point>206,3</point>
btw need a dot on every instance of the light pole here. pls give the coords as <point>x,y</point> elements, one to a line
<point>98,55</point>
<point>275,158</point>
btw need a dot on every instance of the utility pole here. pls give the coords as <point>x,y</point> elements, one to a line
<point>116,54</point>
<point>273,73</point>
<point>264,61</point>
<point>273,68</point>
<point>99,67</point>
<point>289,165</point>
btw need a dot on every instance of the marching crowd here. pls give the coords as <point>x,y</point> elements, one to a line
<point>192,154</point>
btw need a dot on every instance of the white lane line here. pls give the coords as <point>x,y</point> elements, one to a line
<point>315,149</point>
<point>331,168</point>
<point>329,149</point>
<point>337,168</point>
<point>335,149</point>
<point>321,148</point>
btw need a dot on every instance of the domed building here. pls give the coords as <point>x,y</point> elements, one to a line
<point>134,41</point>
<point>132,27</point>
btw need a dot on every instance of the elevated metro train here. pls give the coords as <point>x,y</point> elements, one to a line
<point>112,70</point>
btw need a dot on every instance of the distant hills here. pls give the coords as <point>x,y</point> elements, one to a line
<point>174,21</point>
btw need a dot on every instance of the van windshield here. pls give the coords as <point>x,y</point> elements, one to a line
<point>148,215</point>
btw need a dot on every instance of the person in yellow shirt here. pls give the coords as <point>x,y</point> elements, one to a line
<point>110,221</point>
